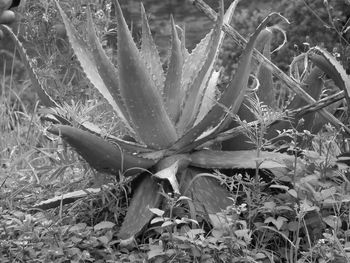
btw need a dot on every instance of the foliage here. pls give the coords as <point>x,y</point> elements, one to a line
<point>162,112</point>
<point>281,207</point>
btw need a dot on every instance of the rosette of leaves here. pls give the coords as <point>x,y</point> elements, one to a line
<point>170,115</point>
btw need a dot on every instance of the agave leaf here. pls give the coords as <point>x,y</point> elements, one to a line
<point>332,68</point>
<point>197,83</point>
<point>231,98</point>
<point>146,196</point>
<point>43,95</point>
<point>169,174</point>
<point>265,91</point>
<point>181,33</point>
<point>150,53</point>
<point>90,66</point>
<point>246,159</point>
<point>100,154</point>
<point>314,85</point>
<point>319,121</point>
<point>54,117</point>
<point>173,93</point>
<point>107,71</point>
<point>313,90</point>
<point>145,105</point>
<point>205,191</point>
<point>129,147</point>
<point>170,166</point>
<point>210,96</point>
<point>194,62</point>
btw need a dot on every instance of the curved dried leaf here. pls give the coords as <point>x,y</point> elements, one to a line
<point>281,30</point>
<point>100,154</point>
<point>146,196</point>
<point>173,93</point>
<point>43,96</point>
<point>150,53</point>
<point>145,105</point>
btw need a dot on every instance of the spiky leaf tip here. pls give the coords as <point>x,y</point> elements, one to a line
<point>107,71</point>
<point>88,63</point>
<point>173,92</point>
<point>150,53</point>
<point>198,82</point>
<point>231,98</point>
<point>144,103</point>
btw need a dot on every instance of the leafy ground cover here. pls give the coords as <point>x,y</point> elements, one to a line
<point>293,212</point>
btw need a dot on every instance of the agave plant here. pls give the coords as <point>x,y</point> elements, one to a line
<point>314,65</point>
<point>173,116</point>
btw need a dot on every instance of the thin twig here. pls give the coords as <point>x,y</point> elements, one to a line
<point>322,103</point>
<point>291,84</point>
